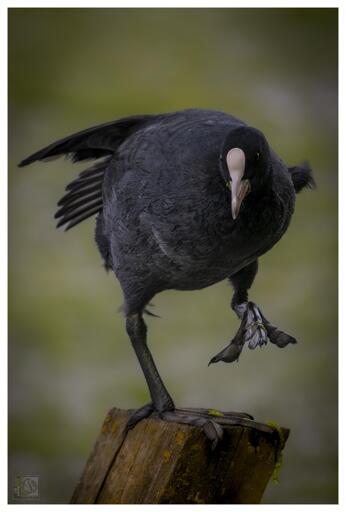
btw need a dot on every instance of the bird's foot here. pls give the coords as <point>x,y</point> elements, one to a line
<point>259,330</point>
<point>210,420</point>
<point>254,330</point>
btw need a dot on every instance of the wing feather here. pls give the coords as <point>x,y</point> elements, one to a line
<point>84,194</point>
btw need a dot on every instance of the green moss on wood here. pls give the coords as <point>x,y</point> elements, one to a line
<point>279,445</point>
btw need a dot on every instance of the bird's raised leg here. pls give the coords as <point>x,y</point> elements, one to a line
<point>162,403</point>
<point>254,329</point>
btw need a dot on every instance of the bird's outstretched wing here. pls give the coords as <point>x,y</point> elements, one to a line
<point>84,195</point>
<point>302,177</point>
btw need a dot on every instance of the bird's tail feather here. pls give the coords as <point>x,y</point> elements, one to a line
<point>302,177</point>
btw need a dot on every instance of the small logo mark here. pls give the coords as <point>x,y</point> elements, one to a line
<point>26,487</point>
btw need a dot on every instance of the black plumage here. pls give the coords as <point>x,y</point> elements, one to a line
<point>184,200</point>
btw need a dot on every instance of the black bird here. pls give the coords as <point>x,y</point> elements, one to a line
<point>183,201</point>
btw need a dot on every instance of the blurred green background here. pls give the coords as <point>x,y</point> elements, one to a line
<point>70,359</point>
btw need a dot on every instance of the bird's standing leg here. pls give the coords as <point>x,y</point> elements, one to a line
<point>254,329</point>
<point>162,403</point>
<point>161,400</point>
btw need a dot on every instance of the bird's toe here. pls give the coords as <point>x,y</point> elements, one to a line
<point>138,415</point>
<point>256,335</point>
<point>213,422</point>
<point>228,354</point>
<point>255,330</point>
<point>214,432</point>
<point>280,338</point>
<point>275,336</point>
<point>233,350</point>
<point>211,428</point>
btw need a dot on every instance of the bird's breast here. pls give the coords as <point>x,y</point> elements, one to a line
<point>200,242</point>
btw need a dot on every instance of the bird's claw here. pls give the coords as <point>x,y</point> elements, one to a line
<point>214,432</point>
<point>211,428</point>
<point>229,354</point>
<point>210,421</point>
<point>254,330</point>
<point>277,337</point>
<point>234,348</point>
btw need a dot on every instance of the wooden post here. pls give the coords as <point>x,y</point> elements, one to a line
<point>164,462</point>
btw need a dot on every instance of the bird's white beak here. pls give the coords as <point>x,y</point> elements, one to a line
<point>240,188</point>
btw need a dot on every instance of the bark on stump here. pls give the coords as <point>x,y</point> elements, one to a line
<point>164,462</point>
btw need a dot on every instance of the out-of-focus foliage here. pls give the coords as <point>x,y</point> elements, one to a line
<point>70,359</point>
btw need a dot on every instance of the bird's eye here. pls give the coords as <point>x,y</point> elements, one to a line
<point>257,156</point>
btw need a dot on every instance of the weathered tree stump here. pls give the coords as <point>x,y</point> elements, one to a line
<point>164,462</point>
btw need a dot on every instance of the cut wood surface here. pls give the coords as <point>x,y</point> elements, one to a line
<point>164,462</point>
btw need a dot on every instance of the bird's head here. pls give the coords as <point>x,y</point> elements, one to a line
<point>245,164</point>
